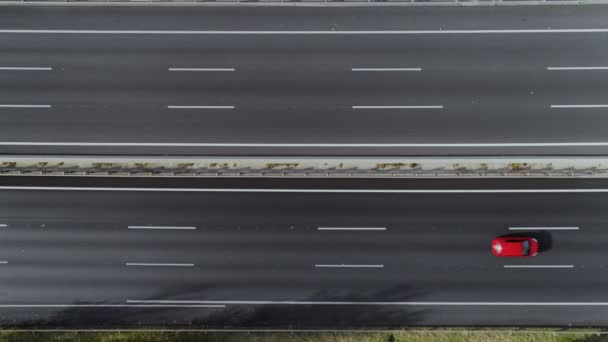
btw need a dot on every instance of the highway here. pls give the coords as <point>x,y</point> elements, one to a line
<point>497,80</point>
<point>308,257</point>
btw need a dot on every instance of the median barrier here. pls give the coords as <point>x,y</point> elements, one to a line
<point>294,167</point>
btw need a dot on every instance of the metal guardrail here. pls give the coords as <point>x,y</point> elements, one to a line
<point>305,167</point>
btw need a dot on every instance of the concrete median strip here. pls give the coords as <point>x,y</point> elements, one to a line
<point>306,167</point>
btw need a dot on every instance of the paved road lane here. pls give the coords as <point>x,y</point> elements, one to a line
<point>303,94</point>
<point>263,260</point>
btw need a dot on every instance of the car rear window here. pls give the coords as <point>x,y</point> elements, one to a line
<point>526,247</point>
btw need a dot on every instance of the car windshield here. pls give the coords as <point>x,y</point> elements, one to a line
<point>526,247</point>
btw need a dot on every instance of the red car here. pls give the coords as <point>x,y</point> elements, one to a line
<point>519,246</point>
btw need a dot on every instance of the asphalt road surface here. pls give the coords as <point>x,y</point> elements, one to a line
<point>258,258</point>
<point>515,80</point>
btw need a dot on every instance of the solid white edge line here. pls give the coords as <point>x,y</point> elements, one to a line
<point>112,305</point>
<point>353,228</point>
<point>23,106</point>
<point>27,68</point>
<point>162,227</point>
<point>313,191</point>
<point>200,107</point>
<point>347,266</point>
<point>581,106</point>
<point>304,145</point>
<point>3,225</point>
<point>386,69</point>
<point>151,264</point>
<point>577,68</point>
<point>544,228</point>
<point>397,107</point>
<point>4,262</point>
<point>538,266</point>
<point>317,32</point>
<point>289,302</point>
<point>202,69</point>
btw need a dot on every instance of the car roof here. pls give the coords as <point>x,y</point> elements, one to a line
<point>512,246</point>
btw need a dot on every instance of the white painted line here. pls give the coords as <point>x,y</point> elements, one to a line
<point>3,225</point>
<point>23,106</point>
<point>581,106</point>
<point>112,306</point>
<point>3,262</point>
<point>313,191</point>
<point>27,68</point>
<point>577,68</point>
<point>202,69</point>
<point>157,264</point>
<point>330,32</point>
<point>301,145</point>
<point>397,107</point>
<point>544,228</point>
<point>347,266</point>
<point>200,107</point>
<point>386,69</point>
<point>162,227</point>
<point>353,228</point>
<point>538,266</point>
<point>295,302</point>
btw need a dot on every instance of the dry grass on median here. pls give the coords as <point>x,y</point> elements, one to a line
<point>154,336</point>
